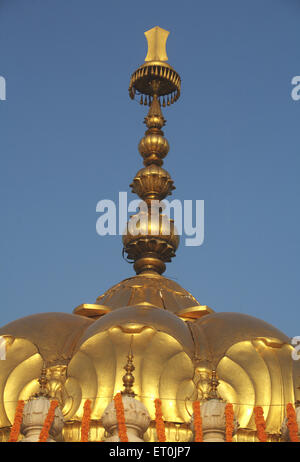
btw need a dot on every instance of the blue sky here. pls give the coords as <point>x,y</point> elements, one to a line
<point>69,136</point>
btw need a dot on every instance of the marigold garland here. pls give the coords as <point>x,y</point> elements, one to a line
<point>15,429</point>
<point>85,423</point>
<point>229,419</point>
<point>48,422</point>
<point>197,422</point>
<point>121,418</point>
<point>160,425</point>
<point>260,424</point>
<point>292,423</point>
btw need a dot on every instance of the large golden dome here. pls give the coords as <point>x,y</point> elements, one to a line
<point>48,338</point>
<point>173,360</point>
<point>254,365</point>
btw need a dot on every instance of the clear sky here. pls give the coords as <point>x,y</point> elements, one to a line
<point>69,136</point>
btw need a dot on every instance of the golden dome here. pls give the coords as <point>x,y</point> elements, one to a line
<point>54,335</point>
<point>48,338</point>
<point>174,359</point>
<point>147,288</point>
<point>221,330</point>
<point>134,319</point>
<point>253,363</point>
<point>162,346</point>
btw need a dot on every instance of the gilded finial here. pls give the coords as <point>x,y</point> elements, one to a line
<point>156,68</point>
<point>154,82</point>
<point>214,383</point>
<point>128,378</point>
<point>43,382</point>
<point>156,38</point>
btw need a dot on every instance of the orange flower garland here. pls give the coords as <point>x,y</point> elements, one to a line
<point>260,424</point>
<point>229,418</point>
<point>48,422</point>
<point>197,422</point>
<point>85,423</point>
<point>121,418</point>
<point>292,423</point>
<point>160,425</point>
<point>15,429</point>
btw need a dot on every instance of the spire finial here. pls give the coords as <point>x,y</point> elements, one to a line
<point>155,240</point>
<point>128,378</point>
<point>155,68</point>
<point>156,38</point>
<point>43,382</point>
<point>214,383</point>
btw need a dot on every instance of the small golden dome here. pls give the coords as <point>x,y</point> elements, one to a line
<point>253,363</point>
<point>153,148</point>
<point>218,331</point>
<point>134,318</point>
<point>152,183</point>
<point>53,334</point>
<point>148,288</point>
<point>150,241</point>
<point>162,346</point>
